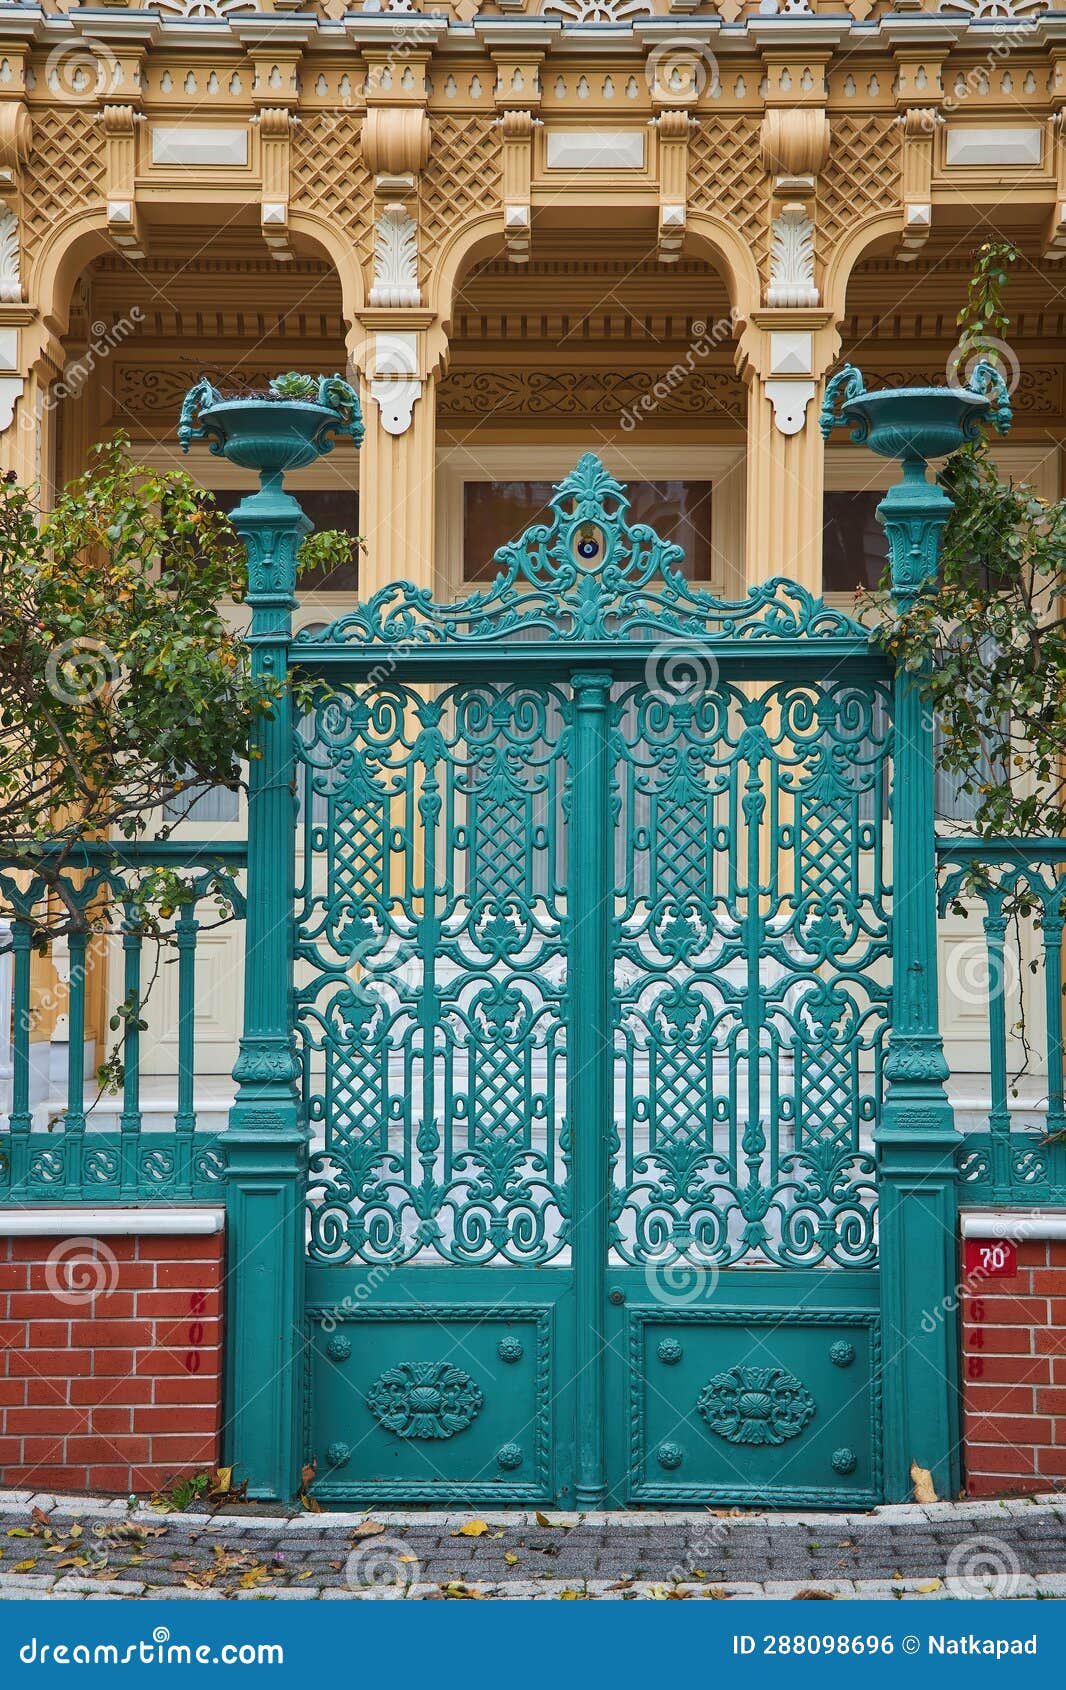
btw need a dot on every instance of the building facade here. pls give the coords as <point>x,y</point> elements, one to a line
<point>643,228</point>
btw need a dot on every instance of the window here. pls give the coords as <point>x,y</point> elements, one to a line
<point>854,545</point>
<point>495,512</point>
<point>327,507</point>
<point>204,804</point>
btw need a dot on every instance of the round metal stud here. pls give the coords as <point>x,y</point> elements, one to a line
<point>670,1456</point>
<point>339,1348</point>
<point>844,1460</point>
<point>669,1351</point>
<point>842,1354</point>
<point>510,1349</point>
<point>509,1457</point>
<point>338,1454</point>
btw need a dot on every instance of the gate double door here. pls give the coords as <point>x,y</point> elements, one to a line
<point>592,982</point>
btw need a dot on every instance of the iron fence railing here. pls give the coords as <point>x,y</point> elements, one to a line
<point>1016,889</point>
<point>91,1141</point>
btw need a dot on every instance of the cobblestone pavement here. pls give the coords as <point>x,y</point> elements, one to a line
<point>76,1547</point>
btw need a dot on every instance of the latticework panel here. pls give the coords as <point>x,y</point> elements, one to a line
<point>432,931</point>
<point>860,176</point>
<point>65,171</point>
<point>726,177</point>
<point>461,179</point>
<point>751,987</point>
<point>330,178</point>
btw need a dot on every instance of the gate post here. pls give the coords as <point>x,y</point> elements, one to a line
<point>265,1141</point>
<point>916,1137</point>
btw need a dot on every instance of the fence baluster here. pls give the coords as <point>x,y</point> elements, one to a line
<point>19,1123</point>
<point>185,929</point>
<point>130,1120</point>
<point>995,926</point>
<point>74,1119</point>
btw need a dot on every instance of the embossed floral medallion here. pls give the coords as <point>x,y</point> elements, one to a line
<point>756,1405</point>
<point>425,1399</point>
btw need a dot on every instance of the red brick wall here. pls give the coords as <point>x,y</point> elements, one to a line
<point>110,1361</point>
<point>1014,1375</point>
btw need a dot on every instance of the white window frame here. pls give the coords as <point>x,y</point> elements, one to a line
<point>722,466</point>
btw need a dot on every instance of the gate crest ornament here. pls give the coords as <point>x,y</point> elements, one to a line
<point>756,1405</point>
<point>588,574</point>
<point>425,1399</point>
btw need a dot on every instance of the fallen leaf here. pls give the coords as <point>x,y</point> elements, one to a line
<point>368,1528</point>
<point>573,1596</point>
<point>473,1528</point>
<point>40,1516</point>
<point>922,1480</point>
<point>511,1558</point>
<point>307,1474</point>
<point>311,1503</point>
<point>407,1559</point>
<point>20,1531</point>
<point>223,1480</point>
<point>928,1587</point>
<point>716,1594</point>
<point>24,1566</point>
<point>253,1576</point>
<point>73,1561</point>
<point>542,1519</point>
<point>306,1575</point>
<point>75,1531</point>
<point>814,1596</point>
<point>457,1592</point>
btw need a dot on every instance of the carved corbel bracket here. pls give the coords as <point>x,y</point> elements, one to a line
<point>516,176</point>
<point>16,140</point>
<point>395,142</point>
<point>275,150</point>
<point>795,144</point>
<point>119,124</point>
<point>1055,237</point>
<point>675,129</point>
<point>794,140</point>
<point>919,130</point>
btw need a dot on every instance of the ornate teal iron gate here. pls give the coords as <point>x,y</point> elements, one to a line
<point>592,983</point>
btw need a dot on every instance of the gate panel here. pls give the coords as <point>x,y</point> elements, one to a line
<point>592,983</point>
<point>431,948</point>
<point>750,948</point>
<point>432,934</point>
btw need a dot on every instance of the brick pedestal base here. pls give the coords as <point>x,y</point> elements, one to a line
<point>1014,1371</point>
<point>110,1359</point>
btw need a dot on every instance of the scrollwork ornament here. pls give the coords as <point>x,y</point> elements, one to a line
<point>427,1400</point>
<point>756,1405</point>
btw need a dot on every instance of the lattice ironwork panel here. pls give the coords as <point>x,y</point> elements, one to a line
<point>432,930</point>
<point>751,984</point>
